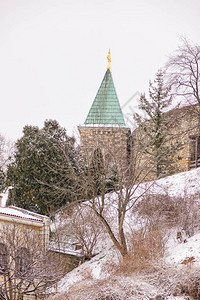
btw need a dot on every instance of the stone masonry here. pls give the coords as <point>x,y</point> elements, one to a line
<point>112,141</point>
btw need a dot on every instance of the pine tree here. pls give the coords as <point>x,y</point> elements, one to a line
<point>154,128</point>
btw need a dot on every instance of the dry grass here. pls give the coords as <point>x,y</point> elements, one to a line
<point>161,282</point>
<point>146,248</point>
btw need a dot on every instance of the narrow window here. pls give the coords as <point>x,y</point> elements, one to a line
<point>194,152</point>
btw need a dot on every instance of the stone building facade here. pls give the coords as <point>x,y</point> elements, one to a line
<point>184,130</point>
<point>23,218</point>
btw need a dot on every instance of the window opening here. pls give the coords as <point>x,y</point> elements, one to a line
<point>22,261</point>
<point>195,152</point>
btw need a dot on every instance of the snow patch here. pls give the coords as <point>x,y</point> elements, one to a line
<point>182,252</point>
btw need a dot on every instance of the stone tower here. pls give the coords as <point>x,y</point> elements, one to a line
<point>104,128</point>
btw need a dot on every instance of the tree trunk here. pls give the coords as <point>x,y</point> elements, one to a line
<point>120,247</point>
<point>123,242</point>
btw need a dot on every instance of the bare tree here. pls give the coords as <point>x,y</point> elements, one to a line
<point>183,70</point>
<point>25,267</point>
<point>112,208</point>
<point>76,228</point>
<point>86,229</point>
<point>6,153</point>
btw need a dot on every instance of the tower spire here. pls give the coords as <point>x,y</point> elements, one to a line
<point>105,109</point>
<point>109,60</point>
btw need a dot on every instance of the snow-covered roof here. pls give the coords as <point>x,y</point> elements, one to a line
<point>18,213</point>
<point>76,253</point>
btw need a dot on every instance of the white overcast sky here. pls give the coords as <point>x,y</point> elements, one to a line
<point>53,54</point>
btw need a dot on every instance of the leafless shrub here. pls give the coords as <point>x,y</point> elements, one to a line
<point>168,212</point>
<point>189,285</point>
<point>151,243</point>
<point>78,226</point>
<point>87,229</point>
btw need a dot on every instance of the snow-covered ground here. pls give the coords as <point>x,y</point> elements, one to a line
<point>180,184</point>
<point>96,277</point>
<point>78,284</point>
<point>183,252</point>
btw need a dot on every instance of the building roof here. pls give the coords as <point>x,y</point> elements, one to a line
<point>105,109</point>
<point>18,213</point>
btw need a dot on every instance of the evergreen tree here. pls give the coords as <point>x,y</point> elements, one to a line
<point>44,173</point>
<point>2,180</point>
<point>154,128</point>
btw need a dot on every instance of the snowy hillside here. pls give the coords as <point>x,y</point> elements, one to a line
<point>170,277</point>
<point>179,184</point>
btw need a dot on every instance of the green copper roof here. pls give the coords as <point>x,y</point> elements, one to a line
<point>105,109</point>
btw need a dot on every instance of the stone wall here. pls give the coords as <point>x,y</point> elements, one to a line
<point>184,125</point>
<point>67,261</point>
<point>113,142</point>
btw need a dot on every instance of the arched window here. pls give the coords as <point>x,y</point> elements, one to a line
<point>98,161</point>
<point>3,258</point>
<point>22,261</point>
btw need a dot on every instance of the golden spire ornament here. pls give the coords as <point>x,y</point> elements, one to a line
<point>109,60</point>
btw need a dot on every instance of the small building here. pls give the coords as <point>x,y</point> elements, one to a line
<point>19,216</point>
<point>24,239</point>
